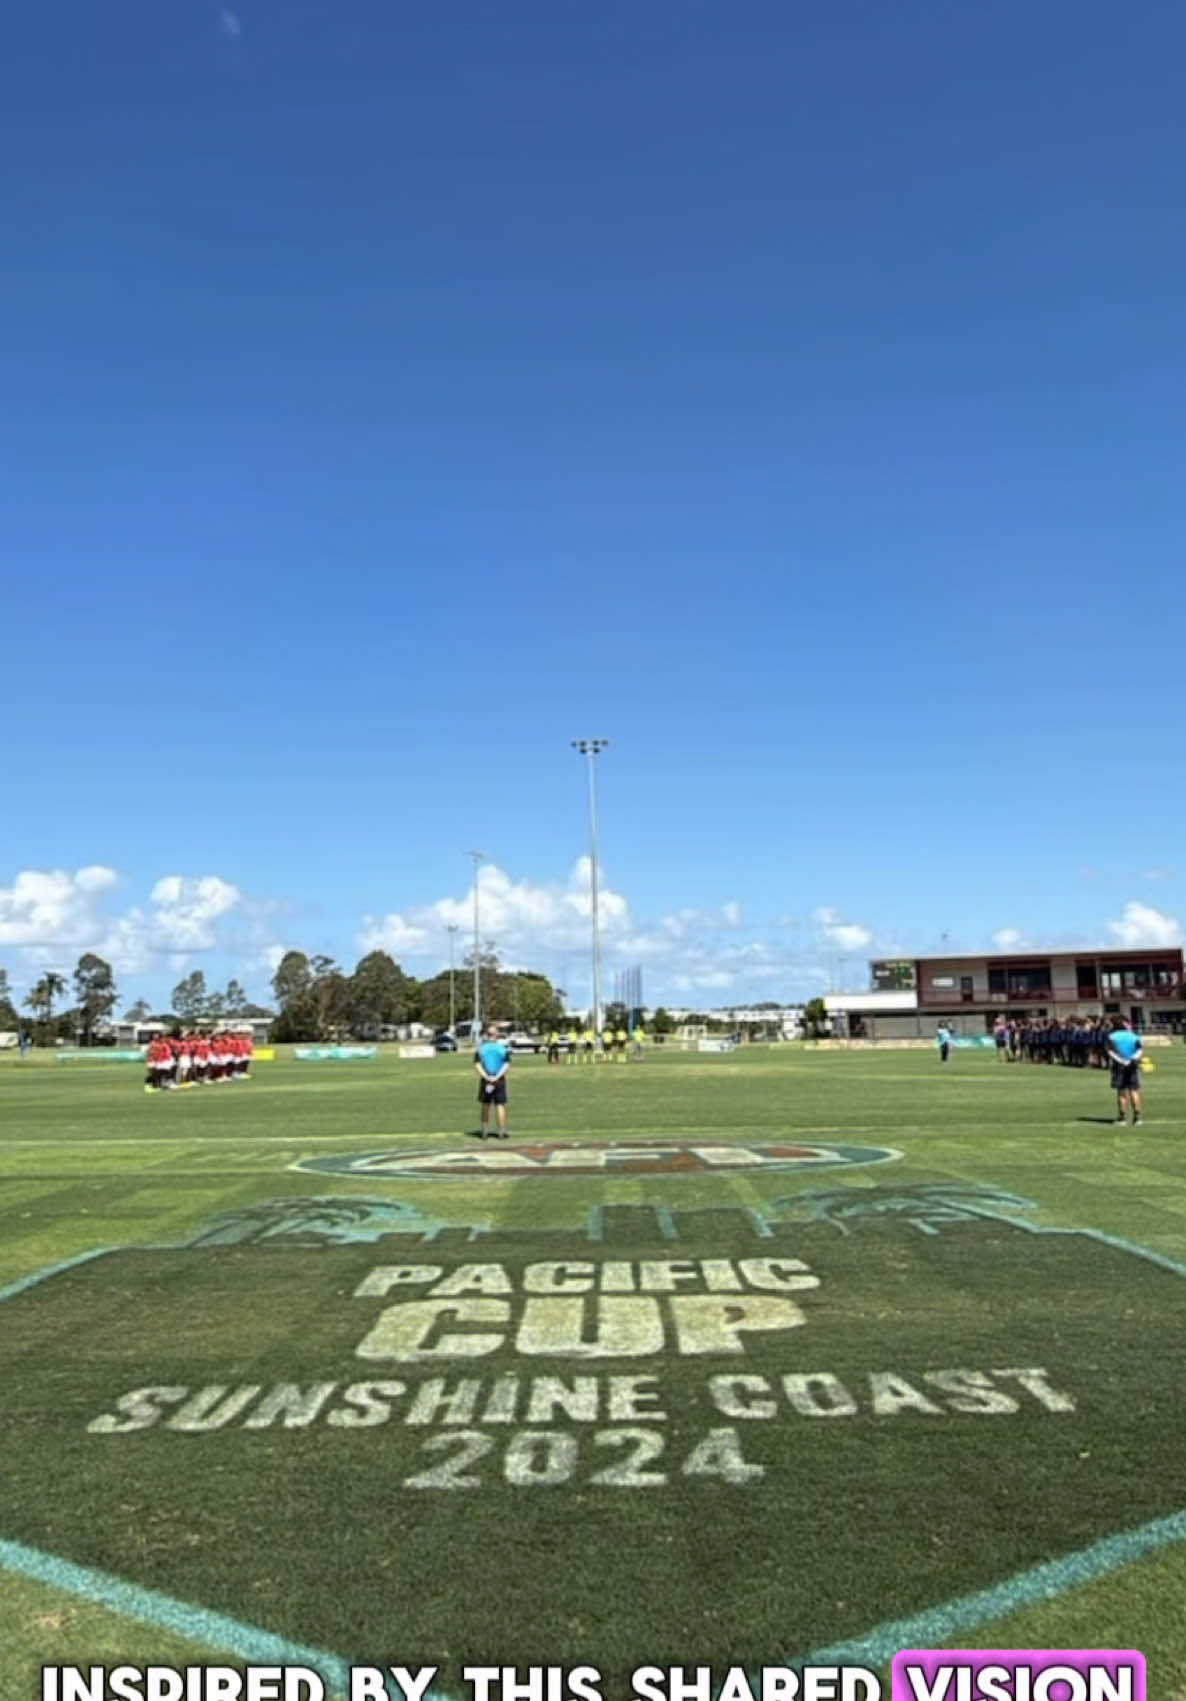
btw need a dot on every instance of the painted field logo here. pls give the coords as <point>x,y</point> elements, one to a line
<point>805,1426</point>
<point>601,1158</point>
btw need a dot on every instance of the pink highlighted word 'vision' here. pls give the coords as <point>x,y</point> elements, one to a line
<point>1018,1674</point>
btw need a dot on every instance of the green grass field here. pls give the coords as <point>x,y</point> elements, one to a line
<point>843,1352</point>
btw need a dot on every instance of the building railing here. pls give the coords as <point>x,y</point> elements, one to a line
<point>946,996</point>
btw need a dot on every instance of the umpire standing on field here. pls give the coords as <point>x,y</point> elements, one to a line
<point>1125,1053</point>
<point>492,1060</point>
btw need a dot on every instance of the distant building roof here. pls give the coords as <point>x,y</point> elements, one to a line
<point>1018,952</point>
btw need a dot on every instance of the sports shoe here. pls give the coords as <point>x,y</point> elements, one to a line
<point>1136,1122</point>
<point>1121,1120</point>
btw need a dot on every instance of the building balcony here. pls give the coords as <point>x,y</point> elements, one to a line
<point>948,996</point>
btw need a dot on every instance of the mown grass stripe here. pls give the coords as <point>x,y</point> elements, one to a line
<point>938,1625</point>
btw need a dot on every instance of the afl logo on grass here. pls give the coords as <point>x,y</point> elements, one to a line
<point>668,1157</point>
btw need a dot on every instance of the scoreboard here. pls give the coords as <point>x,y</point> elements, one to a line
<point>894,975</point>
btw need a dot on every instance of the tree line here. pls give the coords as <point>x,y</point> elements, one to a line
<point>318,1000</point>
<point>96,996</point>
<point>315,1000</point>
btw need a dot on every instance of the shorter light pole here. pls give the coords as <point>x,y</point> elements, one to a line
<point>452,978</point>
<point>479,858</point>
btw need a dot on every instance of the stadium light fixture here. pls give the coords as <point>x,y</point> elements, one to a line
<point>591,748</point>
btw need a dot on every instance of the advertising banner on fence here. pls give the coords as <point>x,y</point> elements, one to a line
<point>99,1054</point>
<point>335,1053</point>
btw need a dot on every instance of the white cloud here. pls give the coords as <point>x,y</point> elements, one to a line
<point>517,915</point>
<point>185,909</point>
<point>230,23</point>
<point>52,914</point>
<point>1010,939</point>
<point>393,934</point>
<point>843,935</point>
<point>693,951</point>
<point>49,907</point>
<point>96,878</point>
<point>637,947</point>
<point>678,924</point>
<point>1159,874</point>
<point>1142,925</point>
<point>711,980</point>
<point>755,951</point>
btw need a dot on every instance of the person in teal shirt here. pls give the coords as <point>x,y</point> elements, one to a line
<point>1124,1054</point>
<point>492,1060</point>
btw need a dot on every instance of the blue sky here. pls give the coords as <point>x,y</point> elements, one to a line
<point>794,396</point>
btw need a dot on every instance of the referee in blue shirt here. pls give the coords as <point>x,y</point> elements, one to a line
<point>1124,1054</point>
<point>492,1060</point>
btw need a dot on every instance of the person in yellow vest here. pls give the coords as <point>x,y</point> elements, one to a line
<point>640,1040</point>
<point>589,1044</point>
<point>574,1045</point>
<point>553,1046</point>
<point>620,1038</point>
<point>607,1045</point>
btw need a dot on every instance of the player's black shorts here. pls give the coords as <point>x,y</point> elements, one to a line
<point>493,1092</point>
<point>1126,1077</point>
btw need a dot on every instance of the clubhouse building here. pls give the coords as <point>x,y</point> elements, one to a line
<point>909,997</point>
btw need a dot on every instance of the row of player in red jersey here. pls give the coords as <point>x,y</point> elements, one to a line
<point>195,1059</point>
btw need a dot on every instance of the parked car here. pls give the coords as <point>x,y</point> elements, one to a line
<point>524,1042</point>
<point>443,1040</point>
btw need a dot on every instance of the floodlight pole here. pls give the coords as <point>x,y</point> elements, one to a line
<point>479,858</point>
<point>591,748</point>
<point>452,931</point>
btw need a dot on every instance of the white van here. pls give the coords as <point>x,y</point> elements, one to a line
<point>9,1042</point>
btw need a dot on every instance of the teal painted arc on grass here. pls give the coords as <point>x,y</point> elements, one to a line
<point>246,1642</point>
<point>1161,1259</point>
<point>200,1624</point>
<point>31,1281</point>
<point>935,1626</point>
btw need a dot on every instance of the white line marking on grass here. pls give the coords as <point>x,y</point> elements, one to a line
<point>686,1131</point>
